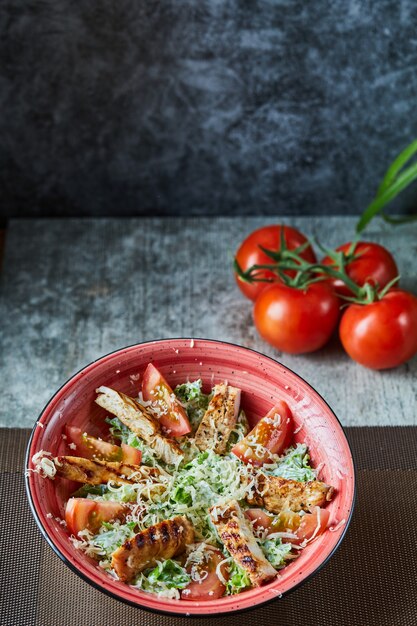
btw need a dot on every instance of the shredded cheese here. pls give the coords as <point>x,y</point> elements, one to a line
<point>44,465</point>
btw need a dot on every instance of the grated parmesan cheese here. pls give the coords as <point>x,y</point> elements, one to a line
<point>44,465</point>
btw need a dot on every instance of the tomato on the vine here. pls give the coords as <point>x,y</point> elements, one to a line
<point>382,334</point>
<point>297,320</point>
<point>269,237</point>
<point>373,264</point>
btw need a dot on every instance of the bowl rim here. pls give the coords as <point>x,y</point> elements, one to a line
<point>114,595</point>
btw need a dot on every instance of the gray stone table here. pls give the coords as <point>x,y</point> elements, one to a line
<point>74,290</point>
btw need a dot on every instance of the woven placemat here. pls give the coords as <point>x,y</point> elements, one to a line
<point>370,580</point>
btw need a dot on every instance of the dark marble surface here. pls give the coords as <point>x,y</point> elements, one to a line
<point>202,106</point>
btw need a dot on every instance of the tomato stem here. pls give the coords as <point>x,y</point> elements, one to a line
<point>306,273</point>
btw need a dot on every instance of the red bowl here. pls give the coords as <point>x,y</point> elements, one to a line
<point>263,381</point>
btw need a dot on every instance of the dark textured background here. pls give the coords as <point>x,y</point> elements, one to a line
<point>202,106</point>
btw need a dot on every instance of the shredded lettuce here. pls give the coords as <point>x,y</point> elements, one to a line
<point>206,480</point>
<point>170,573</point>
<point>121,493</point>
<point>295,465</point>
<point>276,551</point>
<point>165,579</point>
<point>240,430</point>
<point>124,434</point>
<point>238,579</point>
<point>112,536</point>
<point>194,401</point>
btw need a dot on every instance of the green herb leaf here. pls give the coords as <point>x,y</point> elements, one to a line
<point>395,180</point>
<point>396,166</point>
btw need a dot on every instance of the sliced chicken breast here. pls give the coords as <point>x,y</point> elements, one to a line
<point>277,494</point>
<point>162,541</point>
<point>100,472</point>
<point>140,422</point>
<point>235,533</point>
<point>219,420</point>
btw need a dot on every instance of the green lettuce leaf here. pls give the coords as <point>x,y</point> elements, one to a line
<point>238,579</point>
<point>295,465</point>
<point>276,551</point>
<point>113,537</point>
<point>124,434</point>
<point>170,573</point>
<point>94,490</point>
<point>194,401</point>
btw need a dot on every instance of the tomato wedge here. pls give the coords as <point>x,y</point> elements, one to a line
<point>259,519</point>
<point>286,521</point>
<point>172,416</point>
<point>305,527</point>
<point>92,448</point>
<point>273,432</point>
<point>83,513</point>
<point>209,586</point>
<point>131,455</point>
<point>312,524</point>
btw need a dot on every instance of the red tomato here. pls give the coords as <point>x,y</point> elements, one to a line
<point>92,448</point>
<point>131,455</point>
<point>286,521</point>
<point>259,519</point>
<point>156,389</point>
<point>297,320</point>
<point>383,334</point>
<point>83,513</point>
<point>312,524</point>
<point>269,237</point>
<point>273,432</point>
<point>375,265</point>
<point>210,587</point>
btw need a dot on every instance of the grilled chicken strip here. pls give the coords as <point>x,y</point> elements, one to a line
<point>237,536</point>
<point>219,420</point>
<point>276,494</point>
<point>139,421</point>
<point>100,472</point>
<point>162,541</point>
